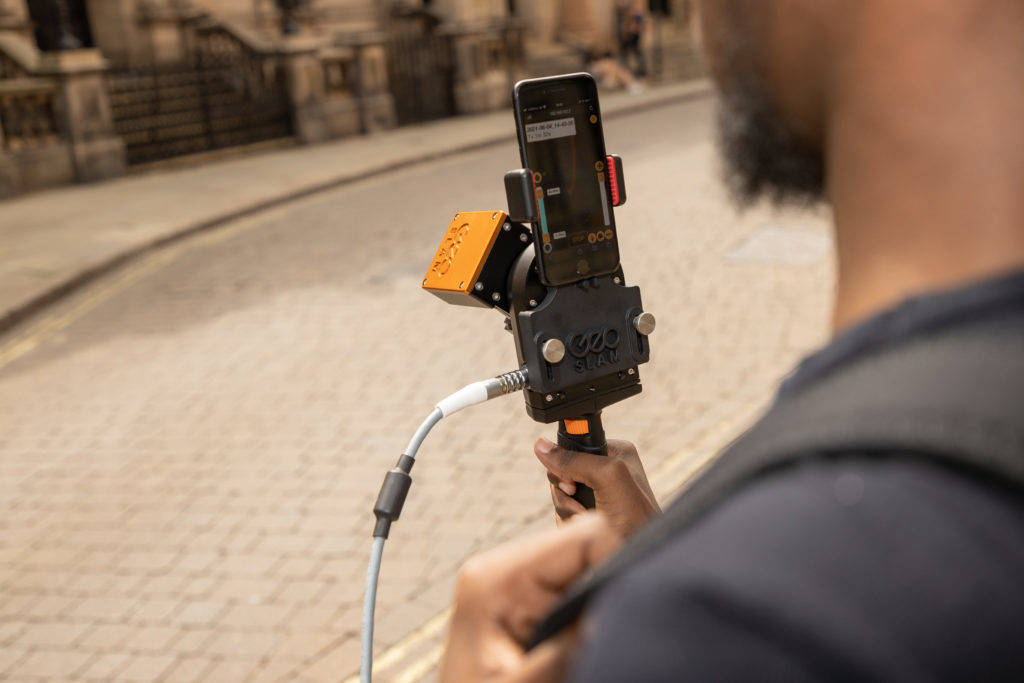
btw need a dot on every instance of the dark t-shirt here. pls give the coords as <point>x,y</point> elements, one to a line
<point>847,569</point>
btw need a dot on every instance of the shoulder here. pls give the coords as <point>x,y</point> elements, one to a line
<point>863,566</point>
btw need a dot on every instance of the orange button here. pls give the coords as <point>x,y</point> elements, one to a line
<point>577,427</point>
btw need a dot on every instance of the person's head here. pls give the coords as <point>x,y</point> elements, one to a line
<point>905,114</point>
<point>766,57</point>
<point>783,67</point>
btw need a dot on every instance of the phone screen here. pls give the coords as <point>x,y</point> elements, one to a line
<point>562,142</point>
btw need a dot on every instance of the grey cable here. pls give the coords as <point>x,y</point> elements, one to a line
<point>478,392</point>
<point>417,439</point>
<point>369,604</point>
<point>376,554</point>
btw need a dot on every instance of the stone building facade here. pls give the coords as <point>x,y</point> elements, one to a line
<point>91,87</point>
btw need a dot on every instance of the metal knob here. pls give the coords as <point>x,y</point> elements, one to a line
<point>644,323</point>
<point>553,350</point>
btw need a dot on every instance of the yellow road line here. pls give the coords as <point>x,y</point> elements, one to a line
<point>394,654</point>
<point>107,288</point>
<point>48,325</point>
<point>421,667</point>
<point>709,444</point>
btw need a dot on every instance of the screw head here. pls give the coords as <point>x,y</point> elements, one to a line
<point>631,371</point>
<point>479,286</point>
<point>549,398</point>
<point>523,237</point>
<point>507,226</point>
<point>553,351</point>
<point>533,303</point>
<point>645,323</point>
<point>495,297</point>
<point>617,280</point>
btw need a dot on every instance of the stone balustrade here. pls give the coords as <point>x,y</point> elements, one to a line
<point>55,123</point>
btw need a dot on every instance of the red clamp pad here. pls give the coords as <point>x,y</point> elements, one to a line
<point>614,182</point>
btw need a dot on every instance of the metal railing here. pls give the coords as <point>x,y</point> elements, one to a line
<point>229,90</point>
<point>28,113</point>
<point>9,68</point>
<point>28,98</point>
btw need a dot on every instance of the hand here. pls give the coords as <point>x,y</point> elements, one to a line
<point>502,595</point>
<point>621,490</point>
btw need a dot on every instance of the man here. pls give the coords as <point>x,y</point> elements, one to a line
<point>906,115</point>
<point>631,21</point>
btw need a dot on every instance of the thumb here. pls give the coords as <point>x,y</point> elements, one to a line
<point>569,465</point>
<point>549,661</point>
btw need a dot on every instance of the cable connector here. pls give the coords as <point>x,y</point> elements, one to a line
<point>507,383</point>
<point>392,496</point>
<point>478,392</point>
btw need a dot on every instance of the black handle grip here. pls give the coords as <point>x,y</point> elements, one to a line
<point>572,437</point>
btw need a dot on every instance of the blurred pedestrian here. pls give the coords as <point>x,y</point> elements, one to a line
<point>631,20</point>
<point>611,74</point>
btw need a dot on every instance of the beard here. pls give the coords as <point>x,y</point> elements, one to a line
<point>761,157</point>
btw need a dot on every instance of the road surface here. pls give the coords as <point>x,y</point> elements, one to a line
<point>190,447</point>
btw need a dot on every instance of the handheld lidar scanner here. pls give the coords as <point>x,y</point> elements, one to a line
<point>579,343</point>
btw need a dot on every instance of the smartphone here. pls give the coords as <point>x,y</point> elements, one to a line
<point>561,140</point>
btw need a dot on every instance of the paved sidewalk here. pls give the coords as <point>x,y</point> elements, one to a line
<point>53,241</point>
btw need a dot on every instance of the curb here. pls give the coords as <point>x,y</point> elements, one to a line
<point>21,312</point>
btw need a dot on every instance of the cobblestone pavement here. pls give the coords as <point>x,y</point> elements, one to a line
<point>190,448</point>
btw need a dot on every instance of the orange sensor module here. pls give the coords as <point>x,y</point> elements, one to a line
<point>474,258</point>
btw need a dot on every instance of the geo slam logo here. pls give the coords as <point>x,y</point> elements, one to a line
<point>594,348</point>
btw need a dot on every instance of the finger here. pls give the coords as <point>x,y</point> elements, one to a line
<point>560,519</point>
<point>471,649</point>
<point>518,582</point>
<point>568,486</point>
<point>565,506</point>
<point>557,560</point>
<point>572,466</point>
<point>568,503</point>
<point>532,603</point>
<point>548,662</point>
<point>552,560</point>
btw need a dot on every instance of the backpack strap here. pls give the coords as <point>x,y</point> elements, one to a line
<point>956,398</point>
